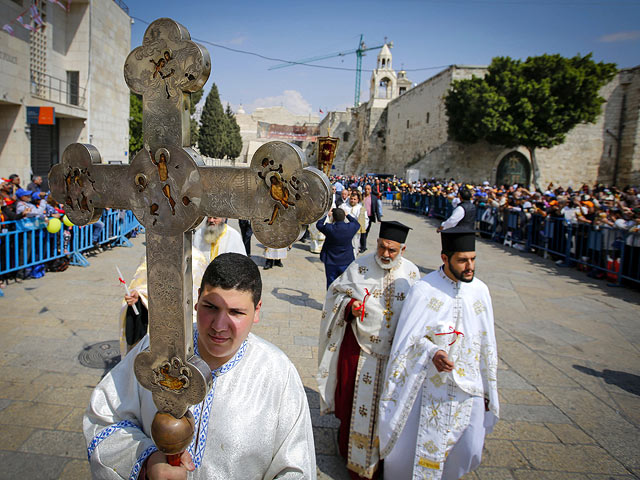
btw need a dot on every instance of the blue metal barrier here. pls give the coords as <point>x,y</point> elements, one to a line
<point>26,243</point>
<point>434,206</point>
<point>602,251</point>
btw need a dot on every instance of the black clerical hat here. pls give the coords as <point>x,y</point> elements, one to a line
<point>458,240</point>
<point>394,231</point>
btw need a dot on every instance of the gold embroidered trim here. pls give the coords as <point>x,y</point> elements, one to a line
<point>426,463</point>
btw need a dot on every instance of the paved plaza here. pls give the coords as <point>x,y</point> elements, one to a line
<point>569,372</point>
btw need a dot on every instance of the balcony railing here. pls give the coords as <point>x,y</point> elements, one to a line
<point>56,90</point>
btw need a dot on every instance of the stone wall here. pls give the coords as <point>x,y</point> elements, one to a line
<point>629,163</point>
<point>108,92</point>
<point>248,123</point>
<point>417,125</point>
<point>416,137</point>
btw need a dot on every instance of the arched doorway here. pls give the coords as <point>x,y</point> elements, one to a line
<point>513,168</point>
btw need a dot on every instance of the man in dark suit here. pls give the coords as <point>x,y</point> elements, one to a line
<point>337,251</point>
<point>373,205</point>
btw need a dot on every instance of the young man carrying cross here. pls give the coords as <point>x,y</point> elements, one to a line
<point>253,423</point>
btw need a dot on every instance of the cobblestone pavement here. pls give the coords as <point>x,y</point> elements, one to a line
<point>569,373</point>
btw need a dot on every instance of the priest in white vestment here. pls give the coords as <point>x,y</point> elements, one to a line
<point>214,237</point>
<point>356,209</point>
<point>440,395</point>
<point>358,324</point>
<point>254,422</point>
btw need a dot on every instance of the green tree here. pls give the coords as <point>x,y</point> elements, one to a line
<point>234,137</point>
<point>213,138</point>
<point>195,98</point>
<point>534,103</point>
<point>135,124</point>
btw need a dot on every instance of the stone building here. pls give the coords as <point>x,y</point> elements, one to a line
<point>399,130</point>
<point>71,71</point>
<point>361,129</point>
<point>258,127</point>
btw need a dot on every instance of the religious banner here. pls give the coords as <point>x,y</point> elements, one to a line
<point>302,133</point>
<point>327,147</point>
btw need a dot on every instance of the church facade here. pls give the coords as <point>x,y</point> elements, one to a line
<point>62,83</point>
<point>400,129</point>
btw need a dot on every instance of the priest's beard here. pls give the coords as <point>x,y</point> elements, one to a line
<point>465,276</point>
<point>391,264</point>
<point>212,233</point>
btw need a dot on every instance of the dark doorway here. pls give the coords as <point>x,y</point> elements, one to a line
<point>45,148</point>
<point>514,168</point>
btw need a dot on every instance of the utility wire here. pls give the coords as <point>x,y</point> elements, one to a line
<point>291,62</point>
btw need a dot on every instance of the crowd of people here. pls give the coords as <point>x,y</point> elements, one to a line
<point>598,204</point>
<point>594,227</point>
<point>30,209</point>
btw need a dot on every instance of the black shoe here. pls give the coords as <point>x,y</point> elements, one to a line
<point>278,263</point>
<point>268,264</point>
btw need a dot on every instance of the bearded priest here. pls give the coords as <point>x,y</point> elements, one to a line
<point>440,395</point>
<point>358,323</point>
<point>215,237</point>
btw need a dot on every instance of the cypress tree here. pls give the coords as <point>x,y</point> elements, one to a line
<point>135,124</point>
<point>234,138</point>
<point>212,139</point>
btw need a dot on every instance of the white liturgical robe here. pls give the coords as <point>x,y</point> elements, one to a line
<point>427,412</point>
<point>374,334</point>
<point>230,241</point>
<point>357,211</point>
<point>253,424</point>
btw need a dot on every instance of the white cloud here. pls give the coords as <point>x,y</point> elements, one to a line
<point>620,37</point>
<point>292,100</point>
<point>239,40</point>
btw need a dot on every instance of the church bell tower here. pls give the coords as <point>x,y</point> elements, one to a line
<point>384,82</point>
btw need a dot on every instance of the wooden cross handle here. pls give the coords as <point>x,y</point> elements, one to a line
<point>172,435</point>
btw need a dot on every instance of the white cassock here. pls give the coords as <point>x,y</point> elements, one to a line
<point>254,422</point>
<point>388,290</point>
<point>230,241</point>
<point>275,253</point>
<point>432,425</point>
<point>360,212</point>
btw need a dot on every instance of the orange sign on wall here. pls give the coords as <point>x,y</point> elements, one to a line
<point>41,115</point>
<point>46,116</point>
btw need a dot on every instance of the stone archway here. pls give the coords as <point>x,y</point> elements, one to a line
<point>513,168</point>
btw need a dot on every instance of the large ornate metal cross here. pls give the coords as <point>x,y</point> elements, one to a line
<point>170,191</point>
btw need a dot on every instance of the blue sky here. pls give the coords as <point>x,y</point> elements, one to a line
<point>427,34</point>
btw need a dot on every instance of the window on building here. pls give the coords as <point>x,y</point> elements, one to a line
<point>73,87</point>
<point>427,117</point>
<point>407,123</point>
<point>345,137</point>
<point>402,90</point>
